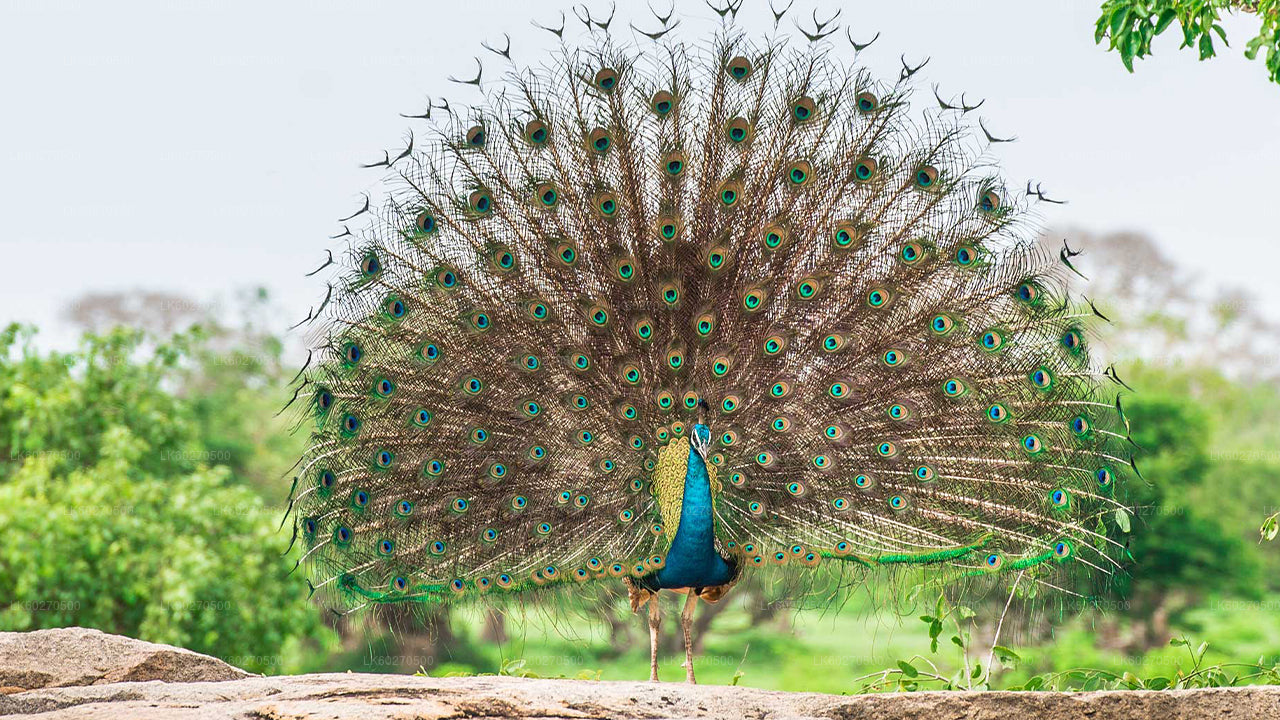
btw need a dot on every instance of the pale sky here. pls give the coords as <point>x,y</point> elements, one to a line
<point>201,146</point>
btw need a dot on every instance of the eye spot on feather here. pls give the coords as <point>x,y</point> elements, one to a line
<point>480,321</point>
<point>799,172</point>
<point>690,400</point>
<point>479,436</point>
<point>350,425</point>
<point>739,68</point>
<point>1041,379</point>
<point>894,358</point>
<point>898,503</point>
<point>865,169</point>
<point>664,400</point>
<point>1079,425</point>
<point>607,204</point>
<point>324,400</point>
<point>879,297</point>
<point>730,193</point>
<point>475,136</point>
<point>923,473</point>
<point>480,202</point>
<point>581,362</point>
<point>753,299</point>
<point>730,403</point>
<point>997,413</point>
<point>1027,293</point>
<point>662,103</point>
<point>599,140</point>
<point>399,583</point>
<point>536,453</point>
<point>774,344</point>
<point>738,130</point>
<point>781,424</point>
<point>536,132</point>
<point>1062,550</point>
<point>808,288</point>
<point>383,459</point>
<point>803,109</point>
<point>547,195</point>
<point>1072,341</point>
<point>721,365</point>
<point>994,561</point>
<point>425,223</point>
<point>867,102</point>
<point>992,340</point>
<point>606,79</point>
<point>359,499</point>
<point>1060,498</point>
<point>886,449</point>
<point>668,228</point>
<point>838,390</point>
<point>863,482</point>
<point>966,255</point>
<point>845,236</point>
<point>911,253</point>
<point>1032,444</point>
<point>716,257</point>
<point>822,462</point>
<point>673,164</point>
<point>926,177</point>
<point>630,374</point>
<point>898,411</point>
<point>437,547</point>
<point>765,459</point>
<point>941,324</point>
<point>833,432</point>
<point>1104,477</point>
<point>989,202</point>
<point>773,236</point>
<point>370,265</point>
<point>954,387</point>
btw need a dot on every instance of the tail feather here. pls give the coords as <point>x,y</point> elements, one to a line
<point>559,279</point>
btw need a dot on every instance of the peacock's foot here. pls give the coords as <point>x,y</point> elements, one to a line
<point>688,669</point>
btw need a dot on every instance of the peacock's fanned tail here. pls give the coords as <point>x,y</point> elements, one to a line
<point>895,373</point>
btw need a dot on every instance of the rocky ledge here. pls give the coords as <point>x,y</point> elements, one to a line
<point>77,673</point>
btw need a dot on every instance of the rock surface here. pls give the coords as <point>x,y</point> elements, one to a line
<point>67,657</point>
<point>236,694</point>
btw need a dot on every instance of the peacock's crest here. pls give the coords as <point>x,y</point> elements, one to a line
<point>631,239</point>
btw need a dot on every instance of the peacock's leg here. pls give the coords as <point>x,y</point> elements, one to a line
<point>654,621</point>
<point>686,624</point>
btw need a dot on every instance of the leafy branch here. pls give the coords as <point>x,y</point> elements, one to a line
<point>1132,24</point>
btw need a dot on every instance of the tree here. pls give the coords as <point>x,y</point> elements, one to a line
<point>127,521</point>
<point>1132,24</point>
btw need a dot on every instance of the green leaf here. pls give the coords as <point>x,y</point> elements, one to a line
<point>1122,519</point>
<point>959,643</point>
<point>1006,656</point>
<point>908,669</point>
<point>1119,18</point>
<point>1270,526</point>
<point>1166,17</point>
<point>977,670</point>
<point>1206,46</point>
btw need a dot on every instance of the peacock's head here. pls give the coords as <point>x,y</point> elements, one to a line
<point>701,439</point>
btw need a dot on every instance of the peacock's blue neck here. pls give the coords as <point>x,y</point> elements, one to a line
<point>692,560</point>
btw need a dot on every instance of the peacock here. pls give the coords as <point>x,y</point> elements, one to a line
<point>664,314</point>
